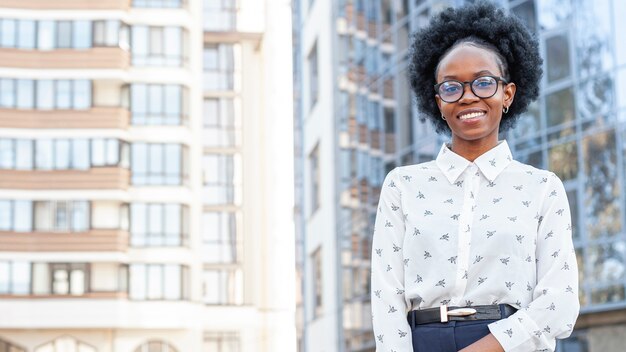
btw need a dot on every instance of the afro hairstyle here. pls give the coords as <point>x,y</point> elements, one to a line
<point>484,25</point>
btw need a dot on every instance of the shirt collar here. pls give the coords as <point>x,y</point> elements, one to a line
<point>491,163</point>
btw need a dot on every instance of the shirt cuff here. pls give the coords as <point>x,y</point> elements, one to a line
<point>519,333</point>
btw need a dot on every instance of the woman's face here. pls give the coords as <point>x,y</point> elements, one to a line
<point>472,118</point>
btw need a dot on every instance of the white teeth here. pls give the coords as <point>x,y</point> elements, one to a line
<point>471,115</point>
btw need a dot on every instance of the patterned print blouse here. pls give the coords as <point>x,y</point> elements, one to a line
<point>463,233</point>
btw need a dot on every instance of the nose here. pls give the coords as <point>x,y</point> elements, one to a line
<point>468,94</point>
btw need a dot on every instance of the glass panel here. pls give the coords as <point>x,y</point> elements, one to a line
<point>24,154</point>
<point>112,152</point>
<point>558,60</point>
<point>155,96</point>
<point>560,107</point>
<point>526,12</point>
<point>45,37</point>
<point>60,281</point>
<point>593,36</point>
<point>80,154</point>
<point>595,98</point>
<point>554,13</point>
<point>602,192</point>
<point>7,92</point>
<point>138,224</point>
<point>139,44</point>
<point>619,32</point>
<point>6,216</point>
<point>26,31</point>
<point>61,216</point>
<point>45,94</point>
<point>173,158</point>
<point>563,160</point>
<point>173,40</point>
<point>63,94</point>
<point>77,282</point>
<point>173,95</point>
<point>173,282</point>
<point>621,87</point>
<point>155,282</point>
<point>5,277</point>
<point>21,278</point>
<point>23,211</point>
<point>138,281</point>
<point>97,152</point>
<point>43,154</point>
<point>172,228</point>
<point>82,94</point>
<point>64,34</point>
<point>572,197</point>
<point>80,216</point>
<point>112,33</point>
<point>7,154</point>
<point>139,163</point>
<point>155,224</point>
<point>611,294</point>
<point>139,103</point>
<point>8,33</point>
<point>82,34</point>
<point>25,93</point>
<point>62,154</point>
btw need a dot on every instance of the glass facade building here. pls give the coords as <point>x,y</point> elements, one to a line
<point>575,129</point>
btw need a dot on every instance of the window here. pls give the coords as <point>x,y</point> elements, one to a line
<point>220,240</point>
<point>223,286</point>
<point>558,57</point>
<point>221,342</point>
<point>221,66</point>
<point>314,164</point>
<point>313,76</point>
<point>157,164</point>
<point>6,346</point>
<point>154,104</point>
<point>222,179</point>
<point>62,216</point>
<point>15,278</point>
<point>159,225</point>
<point>16,215</point>
<point>158,46</point>
<point>221,124</point>
<point>62,154</point>
<point>172,4</point>
<point>65,344</point>
<point>155,346</point>
<point>316,259</point>
<point>45,94</point>
<point>220,15</point>
<point>69,279</point>
<point>158,282</point>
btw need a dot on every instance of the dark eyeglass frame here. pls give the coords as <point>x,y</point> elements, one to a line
<point>471,84</point>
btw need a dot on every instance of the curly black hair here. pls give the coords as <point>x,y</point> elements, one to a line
<point>484,25</point>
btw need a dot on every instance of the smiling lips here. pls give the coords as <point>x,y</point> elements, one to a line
<point>471,115</point>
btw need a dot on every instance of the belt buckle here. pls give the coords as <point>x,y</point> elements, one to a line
<point>458,312</point>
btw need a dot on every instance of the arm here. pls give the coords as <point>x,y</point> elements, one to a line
<point>389,306</point>
<point>554,308</point>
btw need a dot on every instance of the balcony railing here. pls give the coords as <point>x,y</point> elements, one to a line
<point>96,117</point>
<point>105,57</point>
<point>66,4</point>
<point>99,240</point>
<point>95,178</point>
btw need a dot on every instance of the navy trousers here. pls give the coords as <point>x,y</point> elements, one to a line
<point>448,337</point>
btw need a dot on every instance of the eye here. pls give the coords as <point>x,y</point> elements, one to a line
<point>484,82</point>
<point>449,88</point>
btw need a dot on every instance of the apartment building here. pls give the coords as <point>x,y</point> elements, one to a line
<point>356,122</point>
<point>142,203</point>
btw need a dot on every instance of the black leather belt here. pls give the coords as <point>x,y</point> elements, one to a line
<point>444,314</point>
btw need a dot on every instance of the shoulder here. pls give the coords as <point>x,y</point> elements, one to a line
<point>530,171</point>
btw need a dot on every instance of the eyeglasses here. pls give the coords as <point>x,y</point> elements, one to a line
<point>483,87</point>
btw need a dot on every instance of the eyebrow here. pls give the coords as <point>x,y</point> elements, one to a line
<point>477,74</point>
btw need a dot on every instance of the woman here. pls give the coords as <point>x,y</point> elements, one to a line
<point>473,251</point>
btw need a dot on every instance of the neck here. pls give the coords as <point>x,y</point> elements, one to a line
<point>471,150</point>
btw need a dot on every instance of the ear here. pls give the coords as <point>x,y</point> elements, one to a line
<point>509,94</point>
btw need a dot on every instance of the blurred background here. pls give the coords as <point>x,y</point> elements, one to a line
<point>202,175</point>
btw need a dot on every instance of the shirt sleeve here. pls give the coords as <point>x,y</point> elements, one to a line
<point>389,305</point>
<point>555,306</point>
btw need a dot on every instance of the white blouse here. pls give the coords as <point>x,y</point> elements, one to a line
<point>463,233</point>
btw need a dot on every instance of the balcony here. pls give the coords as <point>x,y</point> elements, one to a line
<point>101,58</point>
<point>96,117</point>
<point>95,178</point>
<point>100,240</point>
<point>66,4</point>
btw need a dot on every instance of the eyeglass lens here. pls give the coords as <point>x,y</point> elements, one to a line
<point>482,87</point>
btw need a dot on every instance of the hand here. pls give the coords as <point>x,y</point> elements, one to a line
<point>486,344</point>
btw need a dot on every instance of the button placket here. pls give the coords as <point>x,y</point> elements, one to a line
<point>470,188</point>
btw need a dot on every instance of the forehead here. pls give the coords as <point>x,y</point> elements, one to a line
<point>465,60</point>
